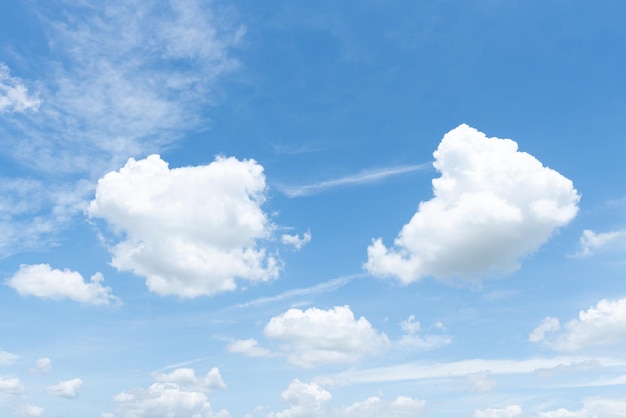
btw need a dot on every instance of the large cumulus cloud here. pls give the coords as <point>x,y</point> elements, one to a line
<point>189,231</point>
<point>492,206</point>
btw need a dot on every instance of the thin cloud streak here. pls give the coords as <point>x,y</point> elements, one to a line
<point>327,286</point>
<point>369,176</point>
<point>423,371</point>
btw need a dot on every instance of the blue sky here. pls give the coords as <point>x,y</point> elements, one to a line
<point>312,209</point>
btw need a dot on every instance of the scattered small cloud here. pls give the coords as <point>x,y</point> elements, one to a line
<point>511,411</point>
<point>185,242</point>
<point>591,242</point>
<point>7,358</point>
<point>249,347</point>
<point>492,206</point>
<point>43,365</point>
<point>14,96</point>
<point>312,401</point>
<point>365,177</point>
<point>42,281</point>
<point>186,378</point>
<point>176,394</point>
<point>413,339</point>
<point>296,241</point>
<point>602,325</point>
<point>65,389</point>
<point>11,385</point>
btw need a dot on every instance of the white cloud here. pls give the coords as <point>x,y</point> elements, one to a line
<point>604,324</point>
<point>11,385</point>
<point>41,281</point>
<point>186,378</point>
<point>318,336</point>
<point>249,347</point>
<point>305,399</point>
<point>14,96</point>
<point>492,206</point>
<point>593,408</point>
<point>295,240</point>
<point>176,394</point>
<point>7,358</point>
<point>189,231</point>
<point>309,400</point>
<point>65,389</point>
<point>590,242</point>
<point>548,325</point>
<point>463,368</point>
<point>414,340</point>
<point>43,365</point>
<point>511,411</point>
<point>365,177</point>
<point>29,411</point>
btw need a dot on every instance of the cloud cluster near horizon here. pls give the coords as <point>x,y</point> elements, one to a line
<point>492,206</point>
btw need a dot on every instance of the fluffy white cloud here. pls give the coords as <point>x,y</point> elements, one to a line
<point>14,96</point>
<point>189,231</point>
<point>65,389</point>
<point>249,347</point>
<point>11,385</point>
<point>492,206</point>
<point>305,399</point>
<point>295,240</point>
<point>318,336</point>
<point>309,400</point>
<point>604,324</point>
<point>593,408</point>
<point>176,394</point>
<point>186,378</point>
<point>42,281</point>
<point>7,358</point>
<point>510,411</point>
<point>591,242</point>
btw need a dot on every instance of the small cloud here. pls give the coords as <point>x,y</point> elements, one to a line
<point>413,340</point>
<point>11,386</point>
<point>186,378</point>
<point>511,411</point>
<point>295,241</point>
<point>176,394</point>
<point>317,336</point>
<point>7,358</point>
<point>65,389</point>
<point>249,347</point>
<point>591,242</point>
<point>43,365</point>
<point>14,96</point>
<point>29,411</point>
<point>41,281</point>
<point>548,325</point>
<point>602,325</point>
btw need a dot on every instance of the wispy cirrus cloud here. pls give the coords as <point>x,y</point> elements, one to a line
<point>364,177</point>
<point>121,79</point>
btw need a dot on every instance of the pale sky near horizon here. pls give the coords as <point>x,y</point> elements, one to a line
<point>313,209</point>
